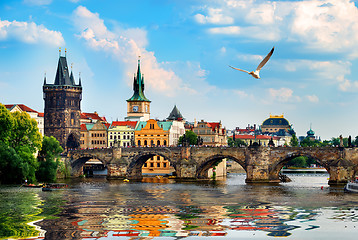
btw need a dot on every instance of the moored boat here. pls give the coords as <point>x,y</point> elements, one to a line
<point>53,186</point>
<point>352,186</point>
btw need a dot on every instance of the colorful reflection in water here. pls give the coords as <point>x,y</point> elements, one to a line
<point>98,209</point>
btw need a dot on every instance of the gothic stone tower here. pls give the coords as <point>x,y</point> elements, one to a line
<point>138,106</point>
<point>63,107</point>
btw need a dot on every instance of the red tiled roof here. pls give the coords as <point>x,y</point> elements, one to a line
<point>263,137</point>
<point>131,124</point>
<point>22,106</point>
<point>83,127</point>
<point>93,116</point>
<point>41,114</point>
<point>107,125</point>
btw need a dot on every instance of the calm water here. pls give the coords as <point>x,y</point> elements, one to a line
<point>228,209</point>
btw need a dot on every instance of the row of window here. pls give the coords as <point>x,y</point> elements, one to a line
<point>119,133</point>
<point>98,135</point>
<point>98,142</point>
<point>151,143</point>
<point>145,135</point>
<point>119,137</point>
<point>164,165</point>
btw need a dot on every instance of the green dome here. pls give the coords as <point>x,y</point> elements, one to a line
<point>310,132</point>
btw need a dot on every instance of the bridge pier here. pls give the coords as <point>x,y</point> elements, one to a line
<point>257,165</point>
<point>186,169</point>
<point>341,171</point>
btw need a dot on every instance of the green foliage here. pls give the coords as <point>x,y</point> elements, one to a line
<point>25,132</point>
<point>19,141</point>
<point>190,136</point>
<point>301,162</point>
<point>236,143</point>
<point>64,170</point>
<point>6,124</point>
<point>307,142</point>
<point>49,159</point>
<point>294,141</point>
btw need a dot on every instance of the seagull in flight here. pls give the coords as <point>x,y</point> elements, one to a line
<point>255,73</point>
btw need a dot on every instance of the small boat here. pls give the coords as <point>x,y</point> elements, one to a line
<point>352,186</point>
<point>125,180</point>
<point>30,185</point>
<point>53,186</point>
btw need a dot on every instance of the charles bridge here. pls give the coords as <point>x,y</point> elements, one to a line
<point>262,164</point>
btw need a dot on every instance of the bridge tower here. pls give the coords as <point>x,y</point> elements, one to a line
<point>63,106</point>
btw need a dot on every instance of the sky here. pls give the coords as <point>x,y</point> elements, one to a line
<point>185,48</point>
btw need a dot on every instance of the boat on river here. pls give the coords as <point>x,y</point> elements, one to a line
<point>31,185</point>
<point>54,186</point>
<point>352,186</point>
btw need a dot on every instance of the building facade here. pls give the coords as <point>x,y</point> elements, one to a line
<point>177,128</point>
<point>63,107</point>
<point>138,106</point>
<point>275,124</point>
<point>121,133</point>
<point>212,133</point>
<point>152,133</point>
<point>94,135</point>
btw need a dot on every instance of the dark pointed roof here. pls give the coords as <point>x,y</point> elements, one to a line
<point>62,74</point>
<point>175,114</point>
<point>138,87</point>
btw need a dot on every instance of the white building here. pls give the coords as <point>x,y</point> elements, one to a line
<point>38,116</point>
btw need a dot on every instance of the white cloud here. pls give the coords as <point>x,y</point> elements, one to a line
<point>312,98</point>
<point>241,94</point>
<point>214,16</point>
<point>125,45</point>
<point>231,30</point>
<point>328,27</point>
<point>38,2</point>
<point>283,95</point>
<point>29,32</point>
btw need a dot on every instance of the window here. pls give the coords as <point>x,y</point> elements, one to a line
<point>138,142</point>
<point>165,143</point>
<point>151,164</point>
<point>145,143</point>
<point>164,164</point>
<point>158,143</point>
<point>151,142</point>
<point>158,164</point>
<point>145,165</point>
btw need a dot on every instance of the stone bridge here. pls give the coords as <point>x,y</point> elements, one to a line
<point>262,164</point>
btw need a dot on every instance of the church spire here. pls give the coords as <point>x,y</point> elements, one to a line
<point>138,87</point>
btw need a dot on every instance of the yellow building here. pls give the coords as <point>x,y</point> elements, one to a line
<point>150,134</point>
<point>212,133</point>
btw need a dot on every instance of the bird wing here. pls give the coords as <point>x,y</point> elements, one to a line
<point>263,62</point>
<point>239,69</point>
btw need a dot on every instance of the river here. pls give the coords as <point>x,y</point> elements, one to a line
<point>306,208</point>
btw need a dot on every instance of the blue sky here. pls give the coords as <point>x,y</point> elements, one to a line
<point>185,48</point>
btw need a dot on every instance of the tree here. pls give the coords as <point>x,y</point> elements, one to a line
<point>236,143</point>
<point>6,124</point>
<point>19,141</point>
<point>294,141</point>
<point>49,159</point>
<point>190,137</point>
<point>307,142</point>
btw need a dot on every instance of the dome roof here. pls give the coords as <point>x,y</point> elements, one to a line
<point>276,120</point>
<point>310,132</point>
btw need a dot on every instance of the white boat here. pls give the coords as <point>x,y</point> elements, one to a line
<point>352,186</point>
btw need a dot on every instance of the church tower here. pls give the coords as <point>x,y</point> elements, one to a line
<point>63,107</point>
<point>138,106</point>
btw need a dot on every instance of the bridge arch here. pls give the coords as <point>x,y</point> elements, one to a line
<point>134,170</point>
<point>203,168</point>
<point>276,168</point>
<point>80,160</point>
